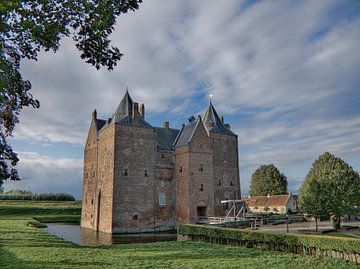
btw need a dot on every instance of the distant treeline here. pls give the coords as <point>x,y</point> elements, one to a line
<point>26,195</point>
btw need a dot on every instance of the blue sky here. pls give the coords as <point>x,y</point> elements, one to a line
<point>285,74</point>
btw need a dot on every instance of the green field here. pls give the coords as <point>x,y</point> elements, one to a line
<point>30,248</point>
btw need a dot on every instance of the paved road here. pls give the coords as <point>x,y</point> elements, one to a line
<point>295,227</point>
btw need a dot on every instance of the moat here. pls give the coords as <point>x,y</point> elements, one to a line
<point>86,237</point>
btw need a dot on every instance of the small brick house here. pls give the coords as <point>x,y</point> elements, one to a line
<point>279,204</point>
<point>140,178</point>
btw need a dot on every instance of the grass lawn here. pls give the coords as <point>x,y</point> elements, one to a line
<point>30,248</point>
<point>339,234</point>
<point>16,209</point>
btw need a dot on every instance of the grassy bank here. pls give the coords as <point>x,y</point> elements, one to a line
<point>26,247</point>
<point>19,209</point>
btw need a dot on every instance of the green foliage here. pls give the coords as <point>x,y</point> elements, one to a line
<point>37,196</point>
<point>274,240</point>
<point>27,27</point>
<point>330,187</point>
<point>267,179</point>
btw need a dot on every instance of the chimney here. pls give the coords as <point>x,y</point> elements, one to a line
<point>166,124</point>
<point>142,111</point>
<point>191,119</point>
<point>94,115</point>
<point>135,112</point>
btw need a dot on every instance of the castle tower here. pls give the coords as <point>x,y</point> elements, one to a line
<point>224,143</point>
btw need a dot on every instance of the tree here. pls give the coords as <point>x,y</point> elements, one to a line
<point>267,179</point>
<point>311,199</point>
<point>26,27</point>
<point>331,187</point>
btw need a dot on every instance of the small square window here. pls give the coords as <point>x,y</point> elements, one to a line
<point>201,168</point>
<point>135,217</point>
<point>162,156</point>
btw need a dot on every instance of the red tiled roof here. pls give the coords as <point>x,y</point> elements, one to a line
<point>273,200</point>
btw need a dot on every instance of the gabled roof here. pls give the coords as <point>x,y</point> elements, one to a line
<point>186,133</point>
<point>213,123</point>
<point>165,138</point>
<point>124,109</point>
<point>267,201</point>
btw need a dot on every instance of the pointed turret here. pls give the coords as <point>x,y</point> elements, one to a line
<point>128,113</point>
<point>125,108</point>
<point>213,123</point>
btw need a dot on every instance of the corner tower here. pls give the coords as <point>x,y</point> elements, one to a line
<point>225,159</point>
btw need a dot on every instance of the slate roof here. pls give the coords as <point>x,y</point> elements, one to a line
<point>265,201</point>
<point>123,114</point>
<point>124,109</point>
<point>165,138</point>
<point>185,134</point>
<point>213,123</point>
<point>100,123</point>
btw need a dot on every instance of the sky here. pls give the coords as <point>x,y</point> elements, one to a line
<point>285,75</point>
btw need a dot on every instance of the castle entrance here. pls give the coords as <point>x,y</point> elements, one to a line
<point>201,211</point>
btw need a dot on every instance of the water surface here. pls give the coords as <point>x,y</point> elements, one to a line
<point>87,237</point>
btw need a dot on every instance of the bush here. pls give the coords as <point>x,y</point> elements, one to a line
<point>275,241</point>
<point>38,197</point>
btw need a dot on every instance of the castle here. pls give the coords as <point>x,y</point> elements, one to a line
<point>140,178</point>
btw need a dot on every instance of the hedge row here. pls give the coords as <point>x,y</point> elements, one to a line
<point>39,197</point>
<point>276,241</point>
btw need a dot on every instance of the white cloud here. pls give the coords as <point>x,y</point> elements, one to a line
<point>41,173</point>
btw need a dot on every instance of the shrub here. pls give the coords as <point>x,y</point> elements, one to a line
<point>275,241</point>
<point>38,197</point>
